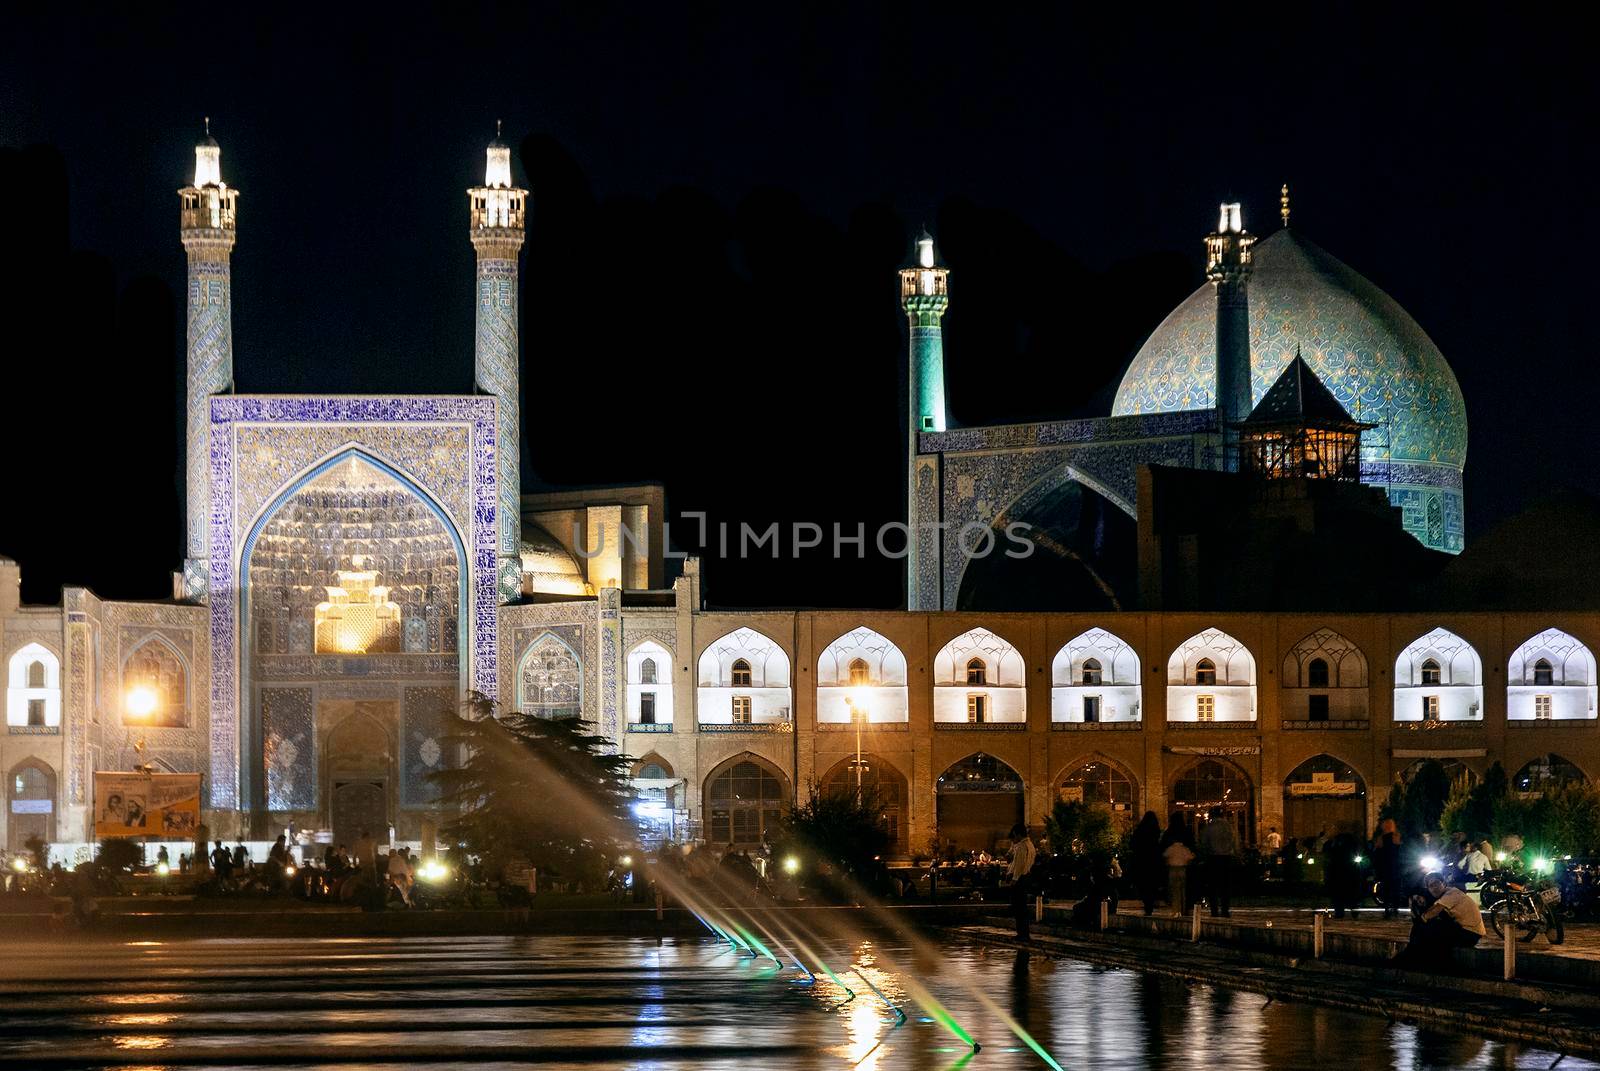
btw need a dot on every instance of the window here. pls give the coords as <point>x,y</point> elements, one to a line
<point>743,803</point>
<point>741,709</point>
<point>653,771</point>
<point>1317,673</point>
<point>1091,708</point>
<point>1430,672</point>
<point>647,671</point>
<point>1091,671</point>
<point>977,672</point>
<point>35,674</point>
<point>36,712</point>
<point>1205,672</point>
<point>977,707</point>
<point>1318,708</point>
<point>1205,708</point>
<point>1430,708</point>
<point>1543,673</point>
<point>1541,708</point>
<point>860,673</point>
<point>741,674</point>
<point>647,708</point>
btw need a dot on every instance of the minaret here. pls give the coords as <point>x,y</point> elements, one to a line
<point>498,214</point>
<point>207,218</point>
<point>924,294</point>
<point>1228,268</point>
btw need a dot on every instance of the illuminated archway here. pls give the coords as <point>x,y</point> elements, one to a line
<point>1438,677</point>
<point>865,668</point>
<point>979,800</point>
<point>1550,677</point>
<point>1211,677</point>
<point>744,801</point>
<point>881,785</point>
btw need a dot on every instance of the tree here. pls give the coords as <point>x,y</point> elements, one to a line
<point>1417,804</point>
<point>541,789</point>
<point>118,854</point>
<point>840,833</point>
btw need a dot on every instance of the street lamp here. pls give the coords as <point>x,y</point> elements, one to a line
<point>139,704</point>
<point>858,714</point>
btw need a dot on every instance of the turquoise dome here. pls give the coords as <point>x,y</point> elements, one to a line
<point>1370,353</point>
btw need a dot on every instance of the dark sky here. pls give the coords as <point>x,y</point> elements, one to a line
<point>720,202</point>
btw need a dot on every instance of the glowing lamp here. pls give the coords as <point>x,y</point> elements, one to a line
<point>1540,865</point>
<point>141,701</point>
<point>289,870</point>
<point>1430,862</point>
<point>1499,857</point>
<point>162,869</point>
<point>791,864</point>
<point>626,860</point>
<point>1358,860</point>
<point>20,865</point>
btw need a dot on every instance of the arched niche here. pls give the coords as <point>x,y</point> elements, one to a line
<point>649,688</point>
<point>1095,677</point>
<point>1550,677</point>
<point>744,679</point>
<point>1438,677</point>
<point>1211,677</point>
<point>864,668</point>
<point>1324,678</point>
<point>979,677</point>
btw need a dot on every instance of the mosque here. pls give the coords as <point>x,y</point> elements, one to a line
<point>356,565</point>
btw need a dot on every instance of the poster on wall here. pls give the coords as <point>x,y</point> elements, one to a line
<point>146,805</point>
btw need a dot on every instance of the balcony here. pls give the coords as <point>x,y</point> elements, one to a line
<point>980,726</point>
<point>1096,726</point>
<point>868,728</point>
<point>649,727</point>
<point>747,727</point>
<point>1295,724</point>
<point>1236,726</point>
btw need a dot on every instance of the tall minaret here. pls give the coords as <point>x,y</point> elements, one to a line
<point>498,214</point>
<point>924,294</point>
<point>207,228</point>
<point>1228,268</point>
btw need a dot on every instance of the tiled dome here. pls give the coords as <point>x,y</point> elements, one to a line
<point>1372,355</point>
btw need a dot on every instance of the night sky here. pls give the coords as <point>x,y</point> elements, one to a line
<point>720,204</point>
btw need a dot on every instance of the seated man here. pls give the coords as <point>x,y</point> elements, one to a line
<point>1451,921</point>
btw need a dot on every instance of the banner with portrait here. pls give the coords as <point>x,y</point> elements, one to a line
<point>164,806</point>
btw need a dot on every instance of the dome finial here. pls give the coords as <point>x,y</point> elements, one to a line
<point>1283,203</point>
<point>208,126</point>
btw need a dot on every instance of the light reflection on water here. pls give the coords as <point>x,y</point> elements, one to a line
<point>631,1003</point>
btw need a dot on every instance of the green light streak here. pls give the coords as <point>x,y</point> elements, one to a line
<point>1035,1046</point>
<point>748,936</point>
<point>943,1016</point>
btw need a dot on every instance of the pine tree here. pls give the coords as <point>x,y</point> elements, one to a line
<point>542,789</point>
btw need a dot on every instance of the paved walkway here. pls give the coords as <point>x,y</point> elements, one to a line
<point>1583,939</point>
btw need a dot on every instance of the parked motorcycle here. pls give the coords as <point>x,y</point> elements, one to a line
<point>1524,904</point>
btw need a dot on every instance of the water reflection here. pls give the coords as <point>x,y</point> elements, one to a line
<point>584,1003</point>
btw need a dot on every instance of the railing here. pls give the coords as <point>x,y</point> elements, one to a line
<point>1239,725</point>
<point>34,730</point>
<point>1550,722</point>
<point>1436,725</point>
<point>1327,723</point>
<point>747,727</point>
<point>649,727</point>
<point>1096,726</point>
<point>981,726</point>
<point>866,727</point>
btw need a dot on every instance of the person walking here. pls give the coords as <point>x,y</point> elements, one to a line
<point>1387,864</point>
<point>1178,833</point>
<point>1177,858</point>
<point>1219,849</point>
<point>1023,857</point>
<point>1149,869</point>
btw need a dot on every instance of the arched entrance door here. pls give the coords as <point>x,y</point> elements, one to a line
<point>1207,785</point>
<point>30,803</point>
<point>359,778</point>
<point>881,786</point>
<point>1324,795</point>
<point>979,800</point>
<point>744,802</point>
<point>1098,780</point>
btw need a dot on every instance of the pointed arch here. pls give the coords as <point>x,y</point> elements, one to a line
<point>1205,785</point>
<point>1077,696</point>
<point>33,692</point>
<point>1211,677</point>
<point>31,794</point>
<point>1324,794</point>
<point>1095,777</point>
<point>1550,676</point>
<point>979,677</point>
<point>882,785</point>
<point>1438,677</point>
<point>979,799</point>
<point>866,668</point>
<point>550,678</point>
<point>724,701</point>
<point>1324,678</point>
<point>744,798</point>
<point>154,663</point>
<point>649,687</point>
<point>652,766</point>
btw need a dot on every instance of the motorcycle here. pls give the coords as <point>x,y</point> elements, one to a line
<point>1526,905</point>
